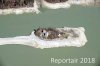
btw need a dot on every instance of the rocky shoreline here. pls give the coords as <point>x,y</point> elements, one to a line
<point>6,4</point>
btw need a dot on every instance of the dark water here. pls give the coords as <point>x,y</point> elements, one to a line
<point>16,25</point>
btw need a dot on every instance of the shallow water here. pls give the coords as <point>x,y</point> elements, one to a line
<point>76,16</point>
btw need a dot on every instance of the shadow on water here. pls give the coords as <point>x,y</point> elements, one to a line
<point>98,62</point>
<point>1,62</point>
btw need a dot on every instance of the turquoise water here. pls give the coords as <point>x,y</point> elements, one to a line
<point>16,25</point>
